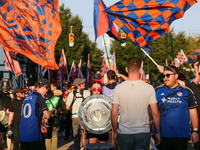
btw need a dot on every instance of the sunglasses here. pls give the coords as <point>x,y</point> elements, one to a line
<point>22,92</point>
<point>98,90</point>
<point>167,75</point>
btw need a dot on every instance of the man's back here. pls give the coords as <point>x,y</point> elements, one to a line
<point>134,98</point>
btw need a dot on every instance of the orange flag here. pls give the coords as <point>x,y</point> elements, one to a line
<point>31,28</point>
<point>12,65</point>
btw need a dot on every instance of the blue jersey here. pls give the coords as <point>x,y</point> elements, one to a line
<point>30,123</point>
<point>174,105</point>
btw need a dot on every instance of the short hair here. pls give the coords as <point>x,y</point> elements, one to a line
<point>111,75</point>
<point>54,83</point>
<point>39,85</point>
<point>171,68</point>
<point>19,90</point>
<point>133,64</point>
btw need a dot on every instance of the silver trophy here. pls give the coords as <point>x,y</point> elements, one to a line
<point>94,114</point>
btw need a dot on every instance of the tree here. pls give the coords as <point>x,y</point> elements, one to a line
<point>176,42</point>
<point>82,44</point>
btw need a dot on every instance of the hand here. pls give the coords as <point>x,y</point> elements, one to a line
<point>54,128</point>
<point>7,111</point>
<point>54,111</point>
<point>196,64</point>
<point>160,68</point>
<point>194,138</point>
<point>116,137</point>
<point>158,139</point>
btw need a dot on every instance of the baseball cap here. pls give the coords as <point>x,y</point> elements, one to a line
<point>45,82</point>
<point>78,81</point>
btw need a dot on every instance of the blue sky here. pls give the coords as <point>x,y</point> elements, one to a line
<point>190,23</point>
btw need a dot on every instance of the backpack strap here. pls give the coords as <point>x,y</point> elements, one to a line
<point>74,97</point>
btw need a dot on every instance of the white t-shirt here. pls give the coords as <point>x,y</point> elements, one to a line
<point>77,103</point>
<point>134,98</point>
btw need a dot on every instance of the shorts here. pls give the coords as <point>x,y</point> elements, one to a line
<point>100,137</point>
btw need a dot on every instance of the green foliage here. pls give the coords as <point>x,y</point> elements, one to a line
<point>175,42</point>
<point>82,45</point>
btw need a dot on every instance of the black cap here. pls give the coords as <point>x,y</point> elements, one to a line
<point>45,82</point>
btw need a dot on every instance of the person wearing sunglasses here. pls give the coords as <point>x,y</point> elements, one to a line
<point>73,103</point>
<point>96,87</point>
<point>177,106</point>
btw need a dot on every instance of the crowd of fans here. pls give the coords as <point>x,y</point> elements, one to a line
<point>36,116</point>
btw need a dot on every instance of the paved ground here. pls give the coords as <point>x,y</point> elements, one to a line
<point>69,144</point>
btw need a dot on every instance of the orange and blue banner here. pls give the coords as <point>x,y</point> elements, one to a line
<point>143,76</point>
<point>88,74</point>
<point>62,71</point>
<point>12,64</point>
<point>102,24</point>
<point>146,20</point>
<point>179,59</point>
<point>50,76</point>
<point>104,67</point>
<point>72,73</point>
<point>31,28</point>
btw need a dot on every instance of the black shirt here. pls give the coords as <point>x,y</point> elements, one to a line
<point>16,107</point>
<point>5,100</point>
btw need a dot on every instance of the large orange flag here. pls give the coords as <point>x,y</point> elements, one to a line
<point>31,28</point>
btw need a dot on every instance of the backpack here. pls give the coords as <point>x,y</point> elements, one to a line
<point>75,97</point>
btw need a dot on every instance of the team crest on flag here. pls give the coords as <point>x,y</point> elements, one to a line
<point>146,20</point>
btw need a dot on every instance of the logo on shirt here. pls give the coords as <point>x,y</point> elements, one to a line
<point>162,94</point>
<point>179,93</point>
<point>163,99</point>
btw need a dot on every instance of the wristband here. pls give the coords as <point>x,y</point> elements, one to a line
<point>197,132</point>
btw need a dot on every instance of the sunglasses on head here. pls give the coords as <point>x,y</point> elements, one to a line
<point>98,90</point>
<point>167,75</point>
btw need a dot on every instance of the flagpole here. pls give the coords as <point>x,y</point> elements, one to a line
<point>149,57</point>
<point>11,68</point>
<point>106,51</point>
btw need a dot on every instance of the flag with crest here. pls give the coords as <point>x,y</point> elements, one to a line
<point>31,28</point>
<point>146,20</point>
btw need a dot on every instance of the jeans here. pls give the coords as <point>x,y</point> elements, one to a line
<point>16,136</point>
<point>138,141</point>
